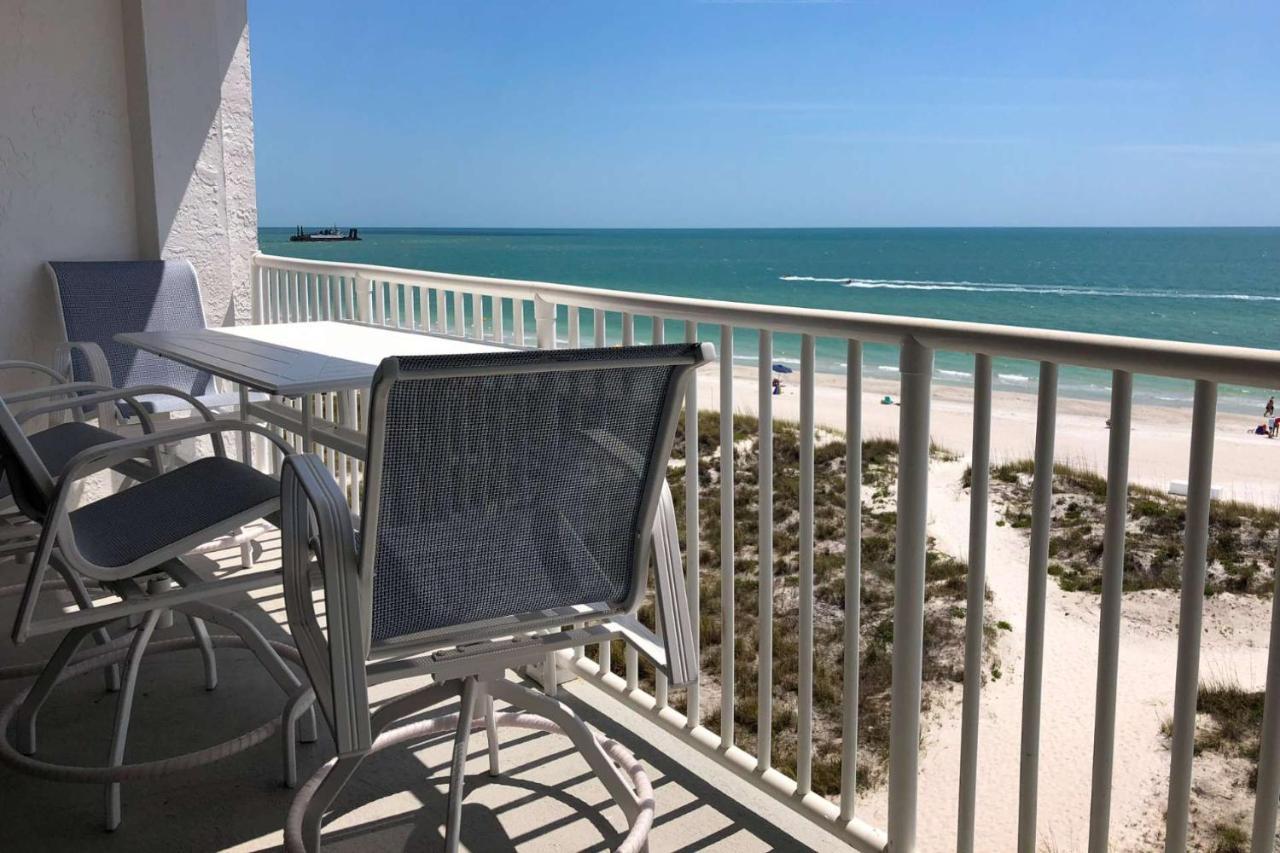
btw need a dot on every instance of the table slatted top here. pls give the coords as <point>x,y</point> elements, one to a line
<point>291,359</point>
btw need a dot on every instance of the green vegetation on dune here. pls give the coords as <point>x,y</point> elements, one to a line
<point>945,595</point>
<point>1241,536</point>
<point>1228,733</point>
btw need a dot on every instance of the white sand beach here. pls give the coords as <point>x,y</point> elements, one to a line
<point>1246,467</point>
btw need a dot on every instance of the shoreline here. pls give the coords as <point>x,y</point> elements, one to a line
<point>1244,464</point>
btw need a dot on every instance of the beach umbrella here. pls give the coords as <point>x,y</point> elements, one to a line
<point>782,368</point>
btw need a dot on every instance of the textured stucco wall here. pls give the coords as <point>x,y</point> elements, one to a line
<point>195,136</point>
<point>66,173</point>
<point>126,131</point>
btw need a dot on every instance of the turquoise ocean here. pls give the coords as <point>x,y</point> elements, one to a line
<point>1210,285</point>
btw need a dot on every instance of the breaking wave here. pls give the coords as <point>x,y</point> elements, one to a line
<point>1038,289</point>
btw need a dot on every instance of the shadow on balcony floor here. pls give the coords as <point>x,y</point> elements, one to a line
<point>546,798</point>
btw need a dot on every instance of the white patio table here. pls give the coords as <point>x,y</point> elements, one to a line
<point>299,360</point>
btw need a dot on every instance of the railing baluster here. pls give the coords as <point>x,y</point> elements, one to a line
<point>1037,586</point>
<point>727,633</point>
<point>517,312</point>
<point>313,296</point>
<point>575,327</point>
<point>804,758</point>
<point>477,316</point>
<point>598,327</point>
<point>1191,614</point>
<point>393,301</point>
<point>764,616</point>
<point>693,541</point>
<point>1268,786</point>
<point>852,578</point>
<point>628,329</point>
<point>976,583</point>
<point>659,333</point>
<point>442,313</point>
<point>916,372</point>
<point>1104,717</point>
<point>499,333</point>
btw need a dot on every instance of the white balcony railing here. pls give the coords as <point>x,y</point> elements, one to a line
<point>551,315</point>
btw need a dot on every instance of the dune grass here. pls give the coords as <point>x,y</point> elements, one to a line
<point>1241,536</point>
<point>945,596</point>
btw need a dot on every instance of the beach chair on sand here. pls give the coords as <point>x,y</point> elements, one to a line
<point>512,505</point>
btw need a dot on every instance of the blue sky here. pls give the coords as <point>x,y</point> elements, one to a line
<point>766,113</point>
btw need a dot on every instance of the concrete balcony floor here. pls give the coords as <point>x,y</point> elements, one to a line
<point>546,798</point>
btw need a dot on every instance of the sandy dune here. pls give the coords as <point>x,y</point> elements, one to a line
<point>1247,467</point>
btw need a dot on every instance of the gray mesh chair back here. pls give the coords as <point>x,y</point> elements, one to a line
<point>30,482</point>
<point>509,484</point>
<point>100,299</point>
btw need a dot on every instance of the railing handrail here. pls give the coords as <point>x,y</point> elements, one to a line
<point>1180,359</point>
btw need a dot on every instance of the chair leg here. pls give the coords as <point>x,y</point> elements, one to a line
<point>458,778</point>
<point>48,679</point>
<point>201,633</point>
<point>325,794</point>
<point>491,732</point>
<point>299,703</point>
<point>124,710</point>
<point>84,602</point>
<point>262,650</point>
<point>571,724</point>
<point>246,555</point>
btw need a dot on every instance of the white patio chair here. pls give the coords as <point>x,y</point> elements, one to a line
<point>129,544</point>
<point>98,300</point>
<point>510,497</point>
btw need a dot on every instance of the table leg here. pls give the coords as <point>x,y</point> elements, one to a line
<point>246,445</point>
<point>308,443</point>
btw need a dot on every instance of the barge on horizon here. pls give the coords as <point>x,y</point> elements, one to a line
<point>328,235</point>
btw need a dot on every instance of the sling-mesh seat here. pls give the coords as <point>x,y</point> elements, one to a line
<point>512,504</point>
<point>101,299</point>
<point>130,544</point>
<point>510,493</point>
<point>56,445</point>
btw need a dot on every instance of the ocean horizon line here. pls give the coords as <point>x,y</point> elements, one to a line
<point>562,228</point>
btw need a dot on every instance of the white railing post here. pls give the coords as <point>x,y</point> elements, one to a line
<point>976,582</point>
<point>852,579</point>
<point>764,616</point>
<point>727,632</point>
<point>1268,787</point>
<point>1117,514</point>
<point>693,541</point>
<point>363,288</point>
<point>255,291</point>
<point>1190,615</point>
<point>1037,589</point>
<point>804,724</point>
<point>544,317</point>
<point>916,372</point>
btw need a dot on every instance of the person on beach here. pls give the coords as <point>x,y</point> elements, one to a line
<point>777,386</point>
<point>1270,409</point>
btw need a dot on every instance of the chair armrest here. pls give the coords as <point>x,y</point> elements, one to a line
<point>37,367</point>
<point>95,360</point>
<point>673,607</point>
<point>336,665</point>
<point>103,456</point>
<point>128,395</point>
<point>66,388</point>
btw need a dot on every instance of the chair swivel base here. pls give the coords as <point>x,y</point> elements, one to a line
<point>113,774</point>
<point>640,824</point>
